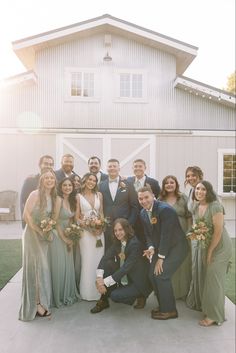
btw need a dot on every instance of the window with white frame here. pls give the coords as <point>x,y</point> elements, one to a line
<point>131,85</point>
<point>80,84</point>
<point>226,171</point>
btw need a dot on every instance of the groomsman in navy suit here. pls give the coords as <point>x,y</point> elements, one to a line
<point>94,164</point>
<point>139,180</point>
<point>166,249</point>
<point>122,273</point>
<point>119,198</point>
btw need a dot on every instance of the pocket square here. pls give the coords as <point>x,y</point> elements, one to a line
<point>123,190</point>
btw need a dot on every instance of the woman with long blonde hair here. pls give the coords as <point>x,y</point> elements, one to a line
<point>40,214</point>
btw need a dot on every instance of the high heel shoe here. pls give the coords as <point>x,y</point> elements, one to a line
<point>45,314</point>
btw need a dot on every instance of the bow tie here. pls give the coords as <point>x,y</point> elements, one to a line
<point>113,180</point>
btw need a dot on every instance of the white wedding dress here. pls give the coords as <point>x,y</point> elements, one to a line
<point>90,254</point>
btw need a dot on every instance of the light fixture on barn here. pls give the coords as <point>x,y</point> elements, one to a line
<point>107,43</point>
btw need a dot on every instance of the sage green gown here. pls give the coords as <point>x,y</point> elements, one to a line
<point>207,290</point>
<point>36,281</point>
<point>182,277</point>
<point>64,291</point>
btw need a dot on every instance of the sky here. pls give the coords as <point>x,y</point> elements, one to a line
<point>206,24</point>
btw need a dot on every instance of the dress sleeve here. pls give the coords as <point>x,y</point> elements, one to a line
<point>216,207</point>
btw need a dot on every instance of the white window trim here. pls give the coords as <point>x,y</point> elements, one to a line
<point>221,153</point>
<point>67,78</point>
<point>119,99</point>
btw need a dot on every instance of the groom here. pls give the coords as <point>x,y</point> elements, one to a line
<point>119,199</point>
<point>167,248</point>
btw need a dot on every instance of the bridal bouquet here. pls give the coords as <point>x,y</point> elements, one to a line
<point>47,225</point>
<point>73,232</point>
<point>200,231</point>
<point>95,223</point>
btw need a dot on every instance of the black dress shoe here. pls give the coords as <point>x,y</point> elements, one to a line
<point>165,316</point>
<point>101,305</point>
<point>140,303</point>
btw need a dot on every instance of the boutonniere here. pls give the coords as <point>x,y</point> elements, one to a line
<point>122,185</point>
<point>153,220</point>
<point>122,256</point>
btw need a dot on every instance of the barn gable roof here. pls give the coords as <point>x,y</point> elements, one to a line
<point>26,48</point>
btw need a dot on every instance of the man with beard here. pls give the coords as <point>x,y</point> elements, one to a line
<point>94,164</point>
<point>66,170</point>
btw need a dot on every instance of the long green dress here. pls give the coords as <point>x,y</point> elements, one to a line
<point>207,290</point>
<point>36,281</point>
<point>64,291</point>
<point>182,277</point>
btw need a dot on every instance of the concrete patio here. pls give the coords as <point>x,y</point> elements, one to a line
<point>116,330</point>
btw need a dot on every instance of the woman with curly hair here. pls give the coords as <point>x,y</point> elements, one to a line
<point>193,175</point>
<point>42,205</point>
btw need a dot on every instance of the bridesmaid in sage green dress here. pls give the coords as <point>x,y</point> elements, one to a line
<point>36,282</point>
<point>207,291</point>
<point>64,291</point>
<point>170,193</point>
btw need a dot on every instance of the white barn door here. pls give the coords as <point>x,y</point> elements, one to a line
<point>124,147</point>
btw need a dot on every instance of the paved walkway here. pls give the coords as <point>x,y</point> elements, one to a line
<point>120,329</point>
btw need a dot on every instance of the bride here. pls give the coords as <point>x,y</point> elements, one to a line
<point>91,243</point>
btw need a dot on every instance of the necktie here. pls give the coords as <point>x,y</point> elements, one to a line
<point>149,215</point>
<point>137,185</point>
<point>124,279</point>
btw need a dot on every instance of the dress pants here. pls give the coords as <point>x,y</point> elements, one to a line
<point>118,293</point>
<point>162,283</point>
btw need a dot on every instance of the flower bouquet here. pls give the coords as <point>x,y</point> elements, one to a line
<point>200,231</point>
<point>95,224</point>
<point>73,232</point>
<point>47,225</point>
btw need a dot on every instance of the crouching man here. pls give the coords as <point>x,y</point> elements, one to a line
<point>122,273</point>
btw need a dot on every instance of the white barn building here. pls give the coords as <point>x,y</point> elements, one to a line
<point>110,88</point>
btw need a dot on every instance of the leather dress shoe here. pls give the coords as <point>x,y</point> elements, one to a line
<point>101,305</point>
<point>165,316</point>
<point>140,303</point>
<point>155,310</point>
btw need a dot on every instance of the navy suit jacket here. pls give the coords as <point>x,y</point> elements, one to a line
<point>148,181</point>
<point>165,232</point>
<point>30,184</point>
<point>125,204</point>
<point>103,176</point>
<point>60,174</point>
<point>135,265</point>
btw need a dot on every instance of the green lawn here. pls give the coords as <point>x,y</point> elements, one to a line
<point>10,263</point>
<point>10,259</point>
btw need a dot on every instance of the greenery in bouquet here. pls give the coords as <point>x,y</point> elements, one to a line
<point>47,225</point>
<point>201,232</point>
<point>73,232</point>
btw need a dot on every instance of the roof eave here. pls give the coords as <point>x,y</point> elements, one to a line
<point>25,48</point>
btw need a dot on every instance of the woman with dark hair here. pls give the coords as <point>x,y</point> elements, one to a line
<point>122,273</point>
<point>91,244</point>
<point>207,290</point>
<point>42,207</point>
<point>171,194</point>
<point>192,176</point>
<point>76,180</point>
<point>61,250</point>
